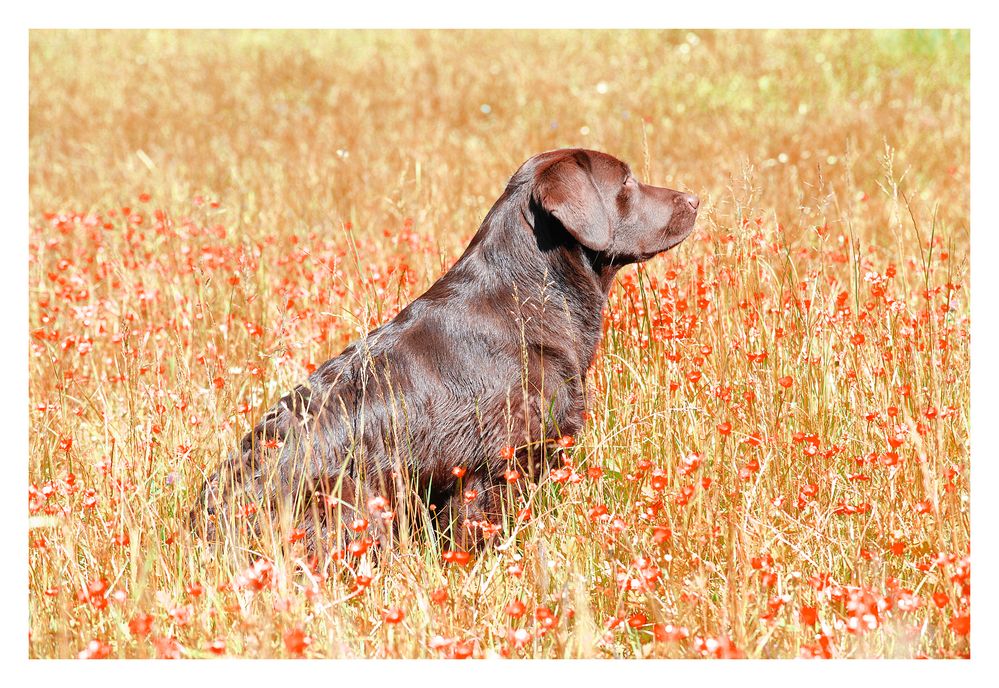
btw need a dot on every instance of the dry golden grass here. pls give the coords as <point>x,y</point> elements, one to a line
<point>827,513</point>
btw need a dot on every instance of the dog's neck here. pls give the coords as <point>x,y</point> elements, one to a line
<point>559,288</point>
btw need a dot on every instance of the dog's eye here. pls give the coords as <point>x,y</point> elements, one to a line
<point>629,181</point>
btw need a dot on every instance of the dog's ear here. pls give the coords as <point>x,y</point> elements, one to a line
<point>568,192</point>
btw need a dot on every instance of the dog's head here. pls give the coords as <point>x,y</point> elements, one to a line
<point>597,200</point>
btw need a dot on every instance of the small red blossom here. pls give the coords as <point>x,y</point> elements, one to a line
<point>515,609</point>
<point>808,615</point>
<point>462,649</point>
<point>961,624</point>
<point>545,617</point>
<point>296,641</point>
<point>393,616</point>
<point>95,649</point>
<point>457,557</point>
<point>357,548</point>
<point>661,535</point>
<point>140,625</point>
<point>637,620</point>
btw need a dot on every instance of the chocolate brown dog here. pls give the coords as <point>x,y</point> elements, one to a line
<point>419,416</point>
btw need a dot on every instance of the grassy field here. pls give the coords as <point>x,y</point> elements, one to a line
<point>776,459</point>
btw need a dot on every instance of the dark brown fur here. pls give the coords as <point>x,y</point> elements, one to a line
<point>494,354</point>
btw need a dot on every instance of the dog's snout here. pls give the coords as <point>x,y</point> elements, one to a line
<point>692,200</point>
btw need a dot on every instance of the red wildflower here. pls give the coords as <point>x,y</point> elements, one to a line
<point>515,609</point>
<point>95,649</point>
<point>961,624</point>
<point>457,557</point>
<point>296,641</point>
<point>808,615</point>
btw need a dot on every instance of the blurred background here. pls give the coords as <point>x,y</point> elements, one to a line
<point>301,128</point>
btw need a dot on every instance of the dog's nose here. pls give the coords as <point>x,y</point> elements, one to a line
<point>692,200</point>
